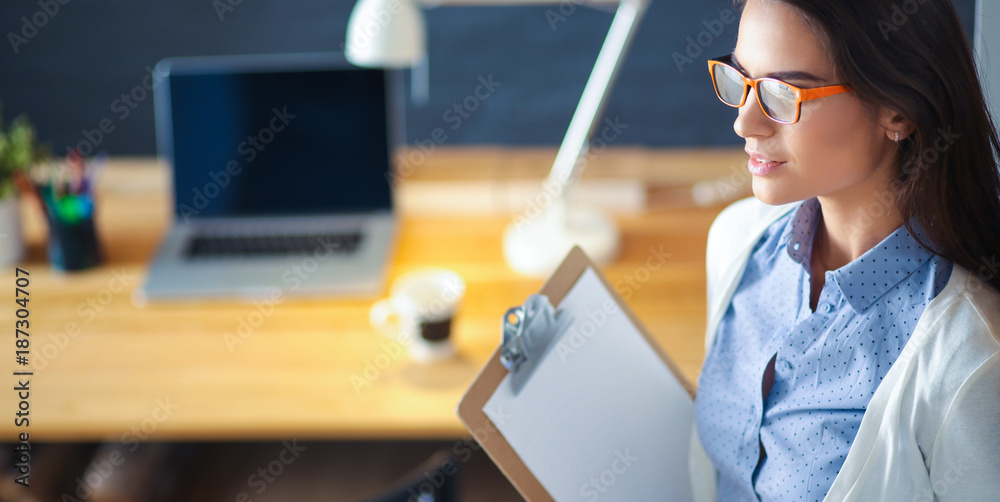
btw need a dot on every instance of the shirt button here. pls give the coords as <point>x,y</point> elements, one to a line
<point>786,365</point>
<point>826,308</point>
<point>796,246</point>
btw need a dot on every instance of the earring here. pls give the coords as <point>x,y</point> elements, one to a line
<point>897,137</point>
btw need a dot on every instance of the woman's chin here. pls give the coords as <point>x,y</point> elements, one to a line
<point>771,194</point>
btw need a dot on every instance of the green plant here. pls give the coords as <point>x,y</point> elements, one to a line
<point>19,150</point>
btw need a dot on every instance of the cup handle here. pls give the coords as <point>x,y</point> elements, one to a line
<point>384,318</point>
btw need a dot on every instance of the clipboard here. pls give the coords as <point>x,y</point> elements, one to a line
<point>471,408</point>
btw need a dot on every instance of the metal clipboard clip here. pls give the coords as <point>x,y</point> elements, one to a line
<point>528,332</point>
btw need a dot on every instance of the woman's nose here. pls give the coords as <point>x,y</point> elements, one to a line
<point>751,121</point>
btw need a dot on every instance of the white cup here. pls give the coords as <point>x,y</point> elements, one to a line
<point>418,312</point>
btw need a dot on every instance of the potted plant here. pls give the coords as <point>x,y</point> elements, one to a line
<point>19,150</point>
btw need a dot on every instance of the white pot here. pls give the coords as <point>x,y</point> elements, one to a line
<point>11,240</point>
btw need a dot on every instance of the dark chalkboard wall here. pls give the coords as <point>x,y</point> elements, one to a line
<point>73,70</point>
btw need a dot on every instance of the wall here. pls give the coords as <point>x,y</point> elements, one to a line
<point>74,69</point>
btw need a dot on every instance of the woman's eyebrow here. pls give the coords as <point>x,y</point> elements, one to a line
<point>782,75</point>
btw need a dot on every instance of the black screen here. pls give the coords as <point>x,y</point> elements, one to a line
<point>280,143</point>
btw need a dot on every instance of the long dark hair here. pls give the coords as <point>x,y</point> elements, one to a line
<point>913,57</point>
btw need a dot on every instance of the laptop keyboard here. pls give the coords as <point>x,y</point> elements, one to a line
<point>217,246</point>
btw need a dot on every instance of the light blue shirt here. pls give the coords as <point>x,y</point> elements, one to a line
<point>828,363</point>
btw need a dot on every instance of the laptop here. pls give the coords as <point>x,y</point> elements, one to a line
<point>279,168</point>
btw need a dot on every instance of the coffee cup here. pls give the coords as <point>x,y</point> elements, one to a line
<point>419,311</point>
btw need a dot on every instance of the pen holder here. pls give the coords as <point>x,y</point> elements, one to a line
<point>73,245</point>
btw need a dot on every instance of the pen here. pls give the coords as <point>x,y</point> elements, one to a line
<point>93,172</point>
<point>76,171</point>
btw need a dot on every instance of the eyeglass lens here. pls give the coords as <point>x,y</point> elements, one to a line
<point>778,100</point>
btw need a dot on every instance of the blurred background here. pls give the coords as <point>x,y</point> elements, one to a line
<point>88,63</point>
<point>69,76</point>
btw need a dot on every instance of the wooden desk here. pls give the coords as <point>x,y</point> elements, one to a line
<point>166,371</point>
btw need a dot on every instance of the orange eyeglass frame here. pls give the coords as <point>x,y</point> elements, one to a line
<point>801,94</point>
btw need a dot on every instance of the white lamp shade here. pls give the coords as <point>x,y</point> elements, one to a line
<point>385,33</point>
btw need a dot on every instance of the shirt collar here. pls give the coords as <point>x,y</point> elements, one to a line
<point>870,276</point>
<point>798,236</point>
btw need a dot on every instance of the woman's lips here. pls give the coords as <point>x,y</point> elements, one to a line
<point>760,166</point>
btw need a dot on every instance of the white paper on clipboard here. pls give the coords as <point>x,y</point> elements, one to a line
<point>602,417</point>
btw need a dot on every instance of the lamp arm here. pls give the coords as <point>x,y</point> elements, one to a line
<point>572,153</point>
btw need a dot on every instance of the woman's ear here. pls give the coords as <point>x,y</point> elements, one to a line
<point>895,123</point>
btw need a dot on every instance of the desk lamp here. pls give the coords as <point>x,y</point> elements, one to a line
<point>391,33</point>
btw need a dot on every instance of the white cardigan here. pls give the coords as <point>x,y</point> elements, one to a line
<point>932,428</point>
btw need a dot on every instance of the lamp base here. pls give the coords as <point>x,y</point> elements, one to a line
<point>536,247</point>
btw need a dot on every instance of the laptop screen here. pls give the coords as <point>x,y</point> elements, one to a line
<point>278,141</point>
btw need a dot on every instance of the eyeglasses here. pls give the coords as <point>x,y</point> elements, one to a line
<point>780,101</point>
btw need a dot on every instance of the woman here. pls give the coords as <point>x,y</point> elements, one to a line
<point>853,348</point>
